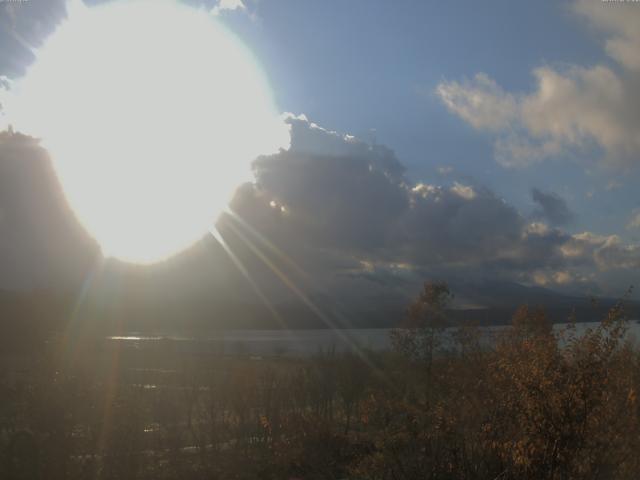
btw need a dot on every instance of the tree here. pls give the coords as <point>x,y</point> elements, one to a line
<point>422,333</point>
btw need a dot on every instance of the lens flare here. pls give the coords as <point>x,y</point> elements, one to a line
<point>152,112</point>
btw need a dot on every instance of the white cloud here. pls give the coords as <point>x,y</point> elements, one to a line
<point>536,228</point>
<point>571,110</point>
<point>613,254</point>
<point>464,191</point>
<point>620,22</point>
<point>635,221</point>
<point>480,101</point>
<point>228,5</point>
<point>605,252</point>
<point>560,277</point>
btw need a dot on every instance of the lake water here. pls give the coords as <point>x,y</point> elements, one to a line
<point>297,342</point>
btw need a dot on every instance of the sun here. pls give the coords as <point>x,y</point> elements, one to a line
<point>152,112</point>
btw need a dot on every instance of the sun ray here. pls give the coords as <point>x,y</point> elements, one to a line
<point>76,324</point>
<point>269,244</point>
<point>353,345</point>
<point>244,272</point>
<point>281,255</point>
<point>333,325</point>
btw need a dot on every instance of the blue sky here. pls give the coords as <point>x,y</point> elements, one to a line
<point>482,103</point>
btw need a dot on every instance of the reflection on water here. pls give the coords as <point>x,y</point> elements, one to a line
<point>301,342</point>
<point>134,337</point>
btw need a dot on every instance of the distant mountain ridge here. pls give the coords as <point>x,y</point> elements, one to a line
<point>29,318</point>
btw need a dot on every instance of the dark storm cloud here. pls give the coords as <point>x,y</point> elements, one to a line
<point>459,224</point>
<point>335,193</point>
<point>552,207</point>
<point>341,201</point>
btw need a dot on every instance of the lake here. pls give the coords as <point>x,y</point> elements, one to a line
<point>297,342</point>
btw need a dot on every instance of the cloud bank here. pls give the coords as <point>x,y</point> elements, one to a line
<point>335,196</point>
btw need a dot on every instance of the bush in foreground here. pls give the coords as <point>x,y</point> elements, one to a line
<point>444,404</point>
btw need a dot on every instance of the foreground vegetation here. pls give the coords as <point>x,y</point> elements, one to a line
<point>533,404</point>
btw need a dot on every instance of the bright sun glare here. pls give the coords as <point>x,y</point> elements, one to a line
<point>152,113</point>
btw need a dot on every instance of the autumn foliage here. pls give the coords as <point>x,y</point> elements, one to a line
<point>531,402</point>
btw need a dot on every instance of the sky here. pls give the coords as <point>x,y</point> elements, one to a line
<point>436,139</point>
